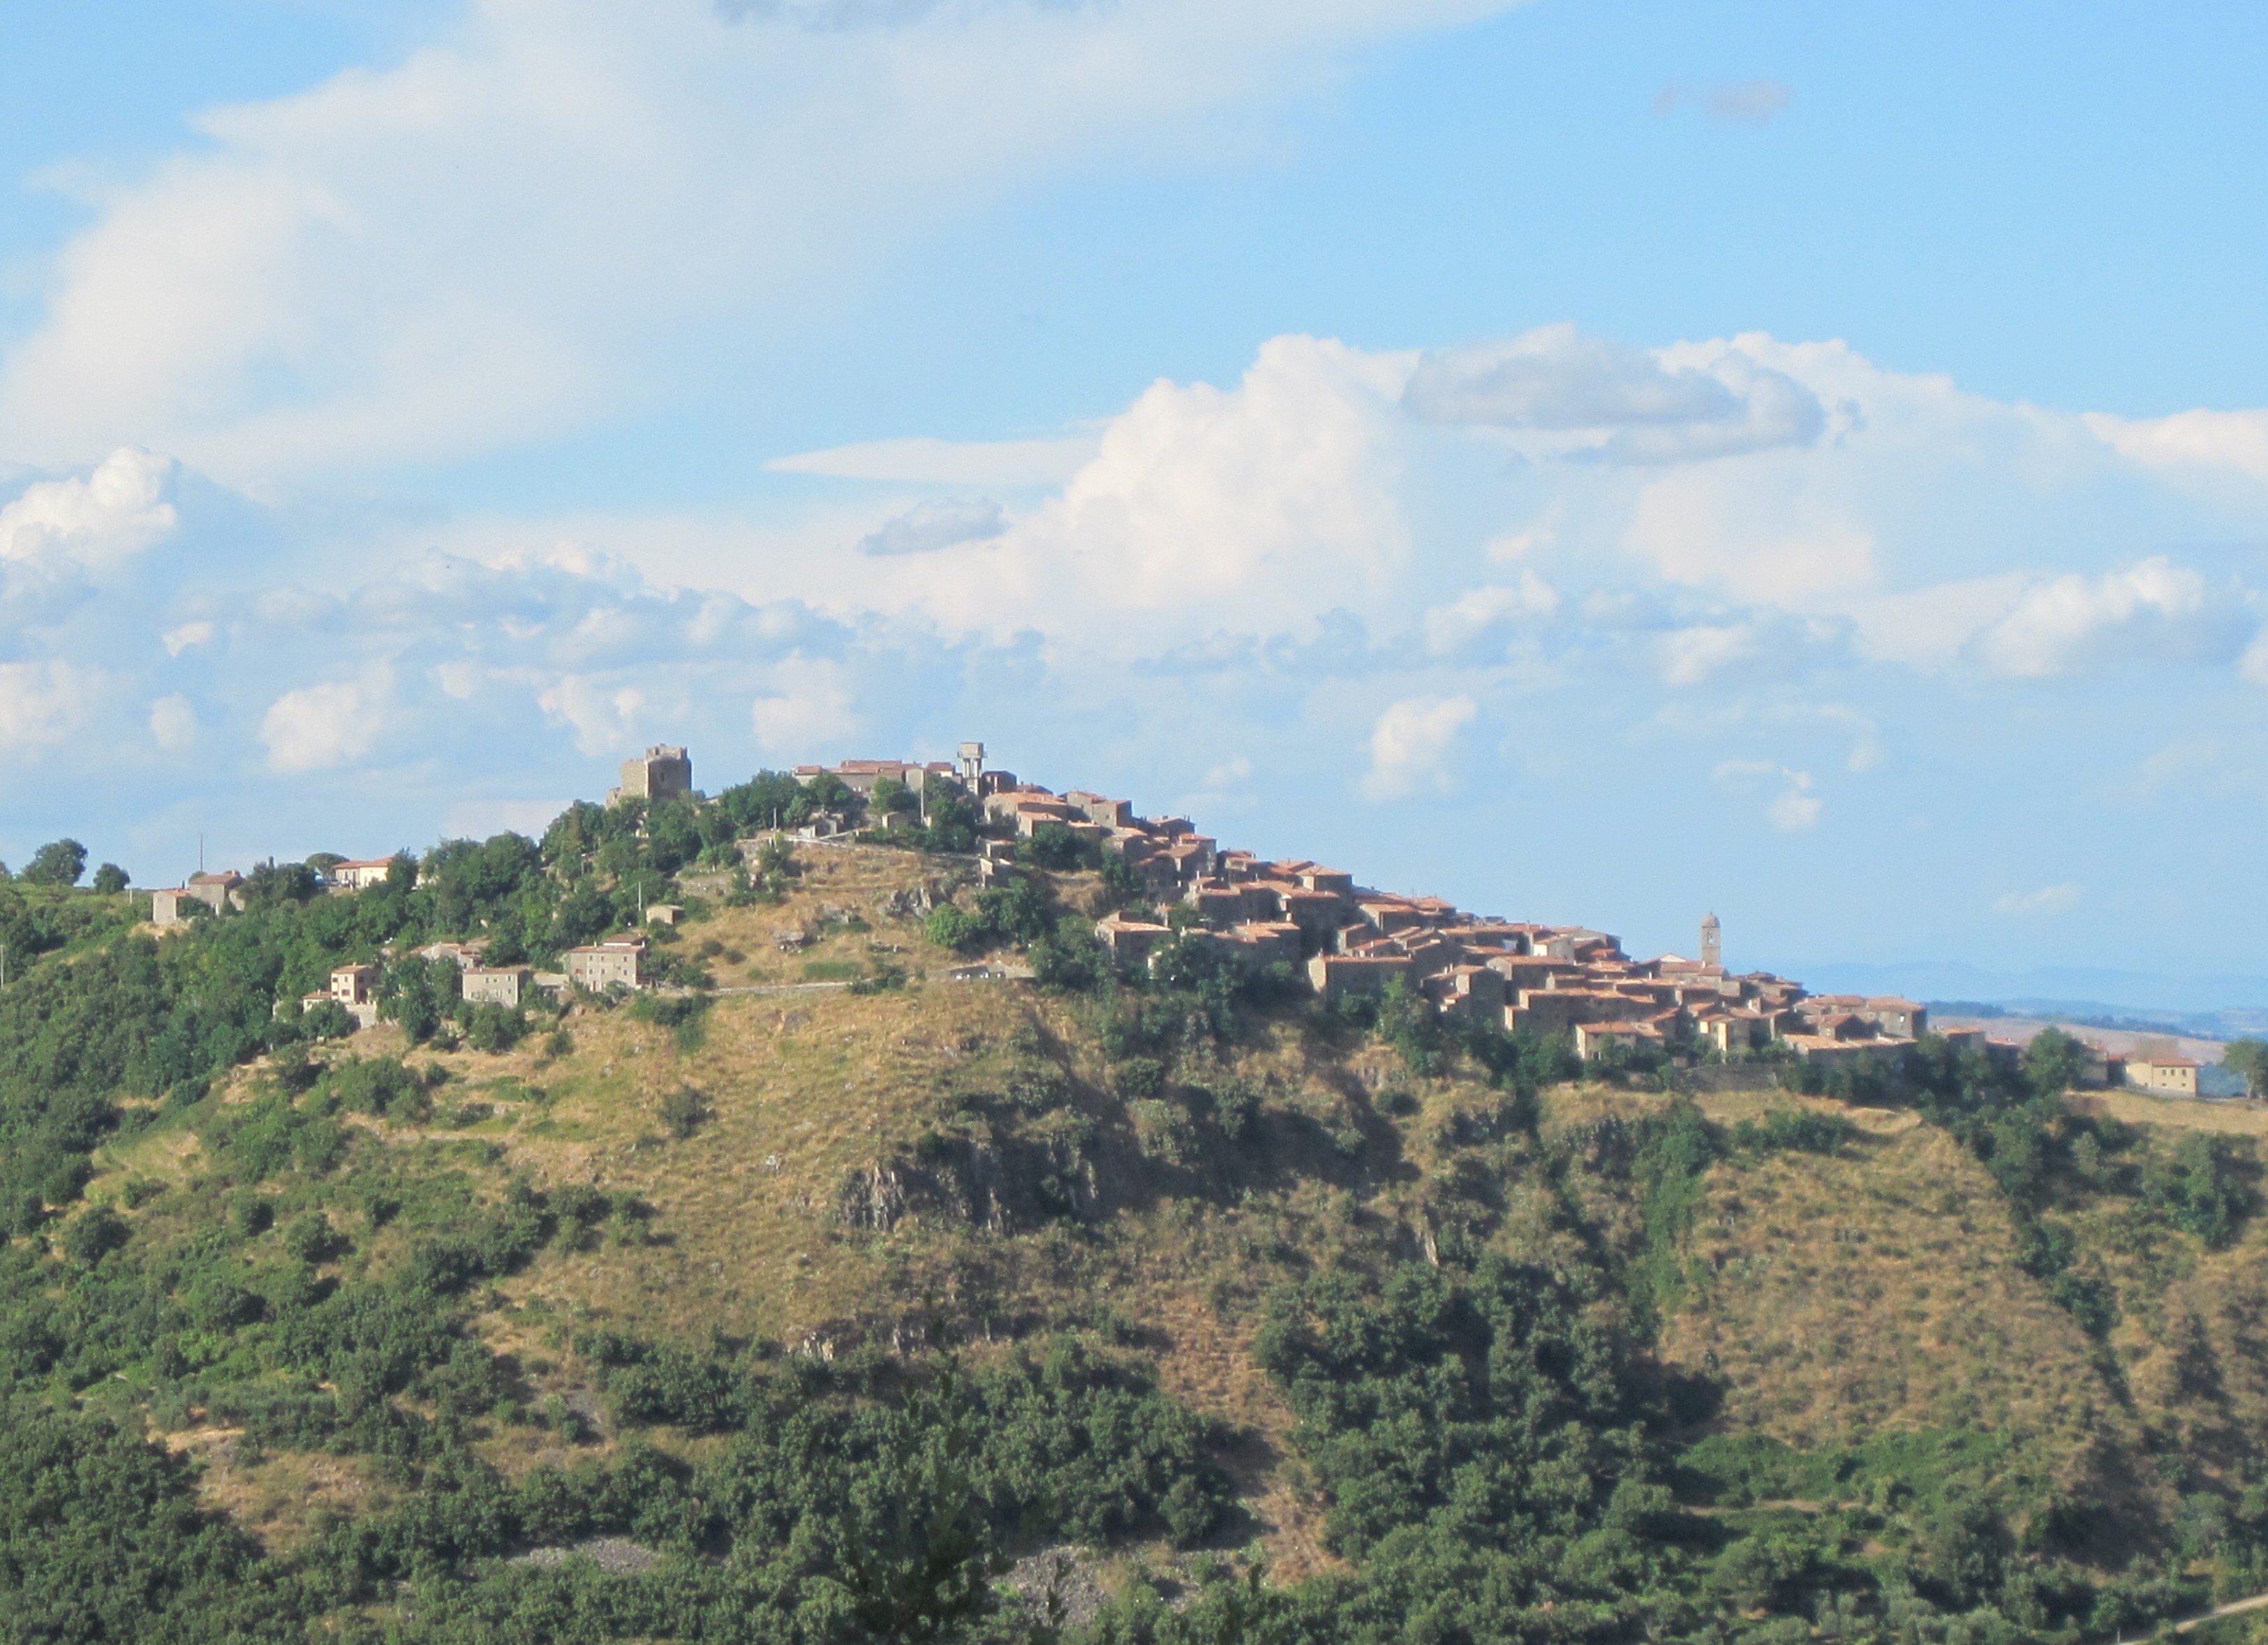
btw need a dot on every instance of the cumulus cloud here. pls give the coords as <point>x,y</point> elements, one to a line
<point>1483,611</point>
<point>190,635</point>
<point>2253,665</point>
<point>1792,808</point>
<point>44,703</point>
<point>173,722</point>
<point>929,528</point>
<point>1556,377</point>
<point>2073,621</point>
<point>120,509</point>
<point>601,719</point>
<point>2194,440</point>
<point>1260,504</point>
<point>2047,899</point>
<point>1229,773</point>
<point>1626,403</point>
<point>1690,656</point>
<point>810,707</point>
<point>1410,744</point>
<point>320,727</point>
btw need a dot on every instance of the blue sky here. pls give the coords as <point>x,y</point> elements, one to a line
<point>1598,461</point>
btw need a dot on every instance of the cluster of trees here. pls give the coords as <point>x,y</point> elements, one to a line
<point>62,863</point>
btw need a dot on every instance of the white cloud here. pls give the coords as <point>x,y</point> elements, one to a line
<point>320,727</point>
<point>1256,507</point>
<point>1690,656</point>
<point>44,703</point>
<point>1229,773</point>
<point>601,719</point>
<point>1773,544</point>
<point>189,634</point>
<point>504,234</point>
<point>120,509</point>
<point>1793,808</point>
<point>2253,665</point>
<point>932,527</point>
<point>173,722</point>
<point>1476,611</point>
<point>2193,440</point>
<point>1410,744</point>
<point>2048,899</point>
<point>810,707</point>
<point>1622,405</point>
<point>2069,622</point>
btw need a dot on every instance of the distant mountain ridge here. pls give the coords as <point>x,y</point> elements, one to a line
<point>2216,1006</point>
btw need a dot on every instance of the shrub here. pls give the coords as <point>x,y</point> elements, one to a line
<point>683,1111</point>
<point>95,1234</point>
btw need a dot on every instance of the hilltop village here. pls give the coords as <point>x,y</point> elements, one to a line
<point>1344,940</point>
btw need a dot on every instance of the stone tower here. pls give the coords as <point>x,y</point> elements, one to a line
<point>972,765</point>
<point>1712,941</point>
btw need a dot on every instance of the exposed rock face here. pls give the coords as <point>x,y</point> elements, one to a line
<point>617,1556</point>
<point>874,1198</point>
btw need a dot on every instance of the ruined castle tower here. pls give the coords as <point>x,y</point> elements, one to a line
<point>1712,941</point>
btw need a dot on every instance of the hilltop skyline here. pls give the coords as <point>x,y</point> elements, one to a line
<point>1609,463</point>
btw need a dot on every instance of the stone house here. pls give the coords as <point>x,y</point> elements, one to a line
<point>2169,1077</point>
<point>1336,976</point>
<point>498,984</point>
<point>1108,813</point>
<point>599,967</point>
<point>218,892</point>
<point>463,956</point>
<point>355,988</point>
<point>1729,1032</point>
<point>359,876</point>
<point>1591,1039</point>
<point>1250,946</point>
<point>1129,942</point>
<point>862,777</point>
<point>1468,990</point>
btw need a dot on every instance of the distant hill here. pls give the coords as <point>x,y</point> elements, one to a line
<point>2218,1006</point>
<point>836,1294</point>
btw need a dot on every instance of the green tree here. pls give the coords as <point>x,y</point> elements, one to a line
<point>418,994</point>
<point>110,880</point>
<point>2054,1061</point>
<point>57,863</point>
<point>1054,846</point>
<point>2250,1058</point>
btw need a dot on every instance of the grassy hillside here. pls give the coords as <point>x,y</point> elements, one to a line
<point>822,1302</point>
